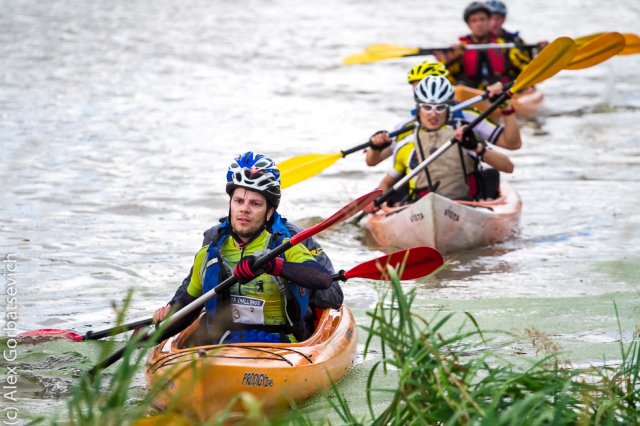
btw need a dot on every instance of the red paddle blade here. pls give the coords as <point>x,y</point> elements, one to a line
<point>344,213</point>
<point>53,333</point>
<point>411,263</point>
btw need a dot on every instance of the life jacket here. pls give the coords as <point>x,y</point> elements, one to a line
<point>472,64</point>
<point>457,116</point>
<point>296,297</point>
<point>448,174</point>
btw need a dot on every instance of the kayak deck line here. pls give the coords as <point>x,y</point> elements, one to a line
<point>202,353</point>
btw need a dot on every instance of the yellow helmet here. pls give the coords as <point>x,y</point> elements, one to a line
<point>426,69</point>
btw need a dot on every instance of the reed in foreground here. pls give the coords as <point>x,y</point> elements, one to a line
<point>439,382</point>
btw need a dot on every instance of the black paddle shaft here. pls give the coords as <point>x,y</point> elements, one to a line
<point>367,144</point>
<point>95,335</point>
<point>412,126</point>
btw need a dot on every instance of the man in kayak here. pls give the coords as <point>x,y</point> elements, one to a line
<point>320,299</point>
<point>480,68</point>
<point>505,136</point>
<point>269,304</point>
<point>456,173</point>
<point>381,143</point>
<point>498,17</point>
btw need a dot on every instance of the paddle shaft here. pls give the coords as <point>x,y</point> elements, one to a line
<point>91,335</point>
<point>95,335</point>
<point>558,54</point>
<point>485,46</point>
<point>409,127</point>
<point>367,144</point>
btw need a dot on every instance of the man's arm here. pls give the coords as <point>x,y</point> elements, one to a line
<point>510,138</point>
<point>309,274</point>
<point>380,148</point>
<point>181,292</point>
<point>331,297</point>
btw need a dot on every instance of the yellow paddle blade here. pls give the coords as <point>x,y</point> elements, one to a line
<point>375,48</point>
<point>294,162</point>
<point>585,39</point>
<point>390,50</point>
<point>302,167</point>
<point>548,63</point>
<point>379,52</point>
<point>360,58</point>
<point>597,50</point>
<point>632,44</point>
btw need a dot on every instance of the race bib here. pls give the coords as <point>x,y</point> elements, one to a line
<point>247,310</point>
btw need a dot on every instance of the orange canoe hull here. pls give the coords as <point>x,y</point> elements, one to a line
<point>203,381</point>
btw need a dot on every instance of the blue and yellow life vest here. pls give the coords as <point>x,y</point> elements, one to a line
<point>296,297</point>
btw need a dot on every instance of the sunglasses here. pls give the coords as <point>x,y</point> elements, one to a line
<point>438,108</point>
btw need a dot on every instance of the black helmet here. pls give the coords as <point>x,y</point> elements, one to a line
<point>496,6</point>
<point>476,6</point>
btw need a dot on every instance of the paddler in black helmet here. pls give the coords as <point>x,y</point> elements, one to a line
<point>483,67</point>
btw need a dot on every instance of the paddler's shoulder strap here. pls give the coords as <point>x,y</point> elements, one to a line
<point>216,231</point>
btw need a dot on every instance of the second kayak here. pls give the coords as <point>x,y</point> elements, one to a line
<point>447,224</point>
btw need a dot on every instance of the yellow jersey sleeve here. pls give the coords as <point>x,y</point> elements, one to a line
<point>298,254</point>
<point>195,285</point>
<point>401,160</point>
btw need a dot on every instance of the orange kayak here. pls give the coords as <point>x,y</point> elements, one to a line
<point>202,381</point>
<point>527,103</point>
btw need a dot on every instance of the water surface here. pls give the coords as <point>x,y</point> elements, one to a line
<point>119,120</point>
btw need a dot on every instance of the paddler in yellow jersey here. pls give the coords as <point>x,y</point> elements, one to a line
<point>506,135</point>
<point>267,304</point>
<point>450,174</point>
